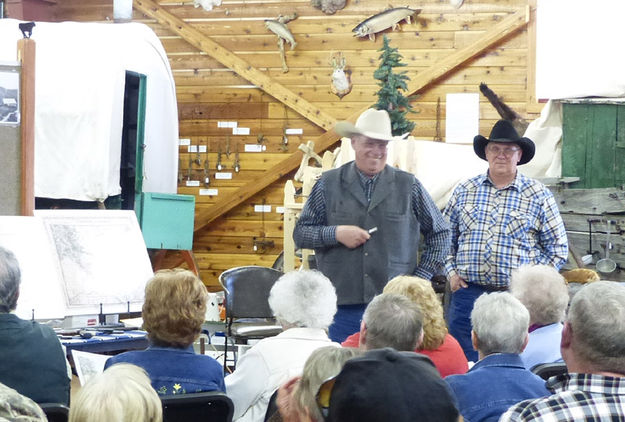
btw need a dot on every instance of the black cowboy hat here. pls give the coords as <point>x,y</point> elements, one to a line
<point>504,132</point>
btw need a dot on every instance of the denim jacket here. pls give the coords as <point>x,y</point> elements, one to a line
<point>175,371</point>
<point>493,385</point>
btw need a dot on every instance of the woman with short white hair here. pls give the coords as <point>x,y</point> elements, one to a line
<point>545,294</point>
<point>304,303</point>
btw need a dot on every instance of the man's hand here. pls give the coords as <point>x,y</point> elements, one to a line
<point>351,236</point>
<point>456,283</point>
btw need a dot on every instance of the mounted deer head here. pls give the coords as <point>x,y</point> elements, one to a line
<point>341,84</point>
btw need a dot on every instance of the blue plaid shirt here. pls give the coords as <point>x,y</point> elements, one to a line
<point>496,230</point>
<point>313,232</point>
<point>578,397</point>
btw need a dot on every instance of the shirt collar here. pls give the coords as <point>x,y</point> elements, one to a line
<point>515,184</point>
<point>305,333</point>
<point>499,359</point>
<point>592,383</point>
<point>364,178</point>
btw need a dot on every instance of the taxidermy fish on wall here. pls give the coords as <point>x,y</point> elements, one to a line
<point>390,18</point>
<point>328,7</point>
<point>206,4</point>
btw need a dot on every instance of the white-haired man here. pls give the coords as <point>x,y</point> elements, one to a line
<point>499,379</point>
<point>364,219</point>
<point>593,347</point>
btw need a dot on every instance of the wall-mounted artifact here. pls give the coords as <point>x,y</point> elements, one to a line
<point>329,7</point>
<point>456,3</point>
<point>341,84</point>
<point>207,179</point>
<point>219,166</point>
<point>206,4</point>
<point>278,27</point>
<point>390,18</point>
<point>237,162</point>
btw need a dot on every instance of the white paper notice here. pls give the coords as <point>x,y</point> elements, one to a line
<point>202,148</point>
<point>462,120</point>
<point>280,210</point>
<point>193,183</point>
<point>294,131</point>
<point>241,131</point>
<point>209,192</point>
<point>227,124</point>
<point>223,176</point>
<point>192,148</point>
<point>254,148</point>
<point>262,208</point>
<point>184,141</point>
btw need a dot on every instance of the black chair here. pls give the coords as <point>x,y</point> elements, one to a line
<point>248,315</point>
<point>548,370</point>
<point>212,406</point>
<point>55,412</point>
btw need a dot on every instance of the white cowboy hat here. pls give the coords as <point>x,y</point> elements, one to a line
<point>374,124</point>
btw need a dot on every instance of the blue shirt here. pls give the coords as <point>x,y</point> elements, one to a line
<point>175,371</point>
<point>494,384</point>
<point>496,230</point>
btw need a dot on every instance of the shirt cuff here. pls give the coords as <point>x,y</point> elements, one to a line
<point>423,273</point>
<point>328,235</point>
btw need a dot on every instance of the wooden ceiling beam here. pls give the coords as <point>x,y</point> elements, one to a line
<point>232,61</point>
<point>496,33</point>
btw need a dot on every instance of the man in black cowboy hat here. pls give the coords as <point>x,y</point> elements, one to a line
<point>364,220</point>
<point>499,221</point>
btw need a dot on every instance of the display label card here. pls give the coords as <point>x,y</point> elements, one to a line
<point>241,131</point>
<point>280,210</point>
<point>227,124</point>
<point>202,148</point>
<point>192,148</point>
<point>262,208</point>
<point>209,192</point>
<point>184,141</point>
<point>254,148</point>
<point>223,176</point>
<point>193,183</point>
<point>290,131</point>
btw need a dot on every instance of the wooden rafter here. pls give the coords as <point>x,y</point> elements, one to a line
<point>232,61</point>
<point>507,26</point>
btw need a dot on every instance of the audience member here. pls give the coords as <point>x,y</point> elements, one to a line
<point>16,407</point>
<point>391,320</point>
<point>593,347</point>
<point>437,343</point>
<point>173,312</point>
<point>122,393</point>
<point>499,379</point>
<point>545,294</point>
<point>304,303</point>
<point>297,399</point>
<point>387,385</point>
<point>31,357</point>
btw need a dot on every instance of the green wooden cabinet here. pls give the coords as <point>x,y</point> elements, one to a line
<point>593,144</point>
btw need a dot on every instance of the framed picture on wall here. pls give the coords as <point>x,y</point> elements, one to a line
<point>9,94</point>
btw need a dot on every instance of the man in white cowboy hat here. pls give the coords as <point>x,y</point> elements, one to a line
<point>364,219</point>
<point>499,221</point>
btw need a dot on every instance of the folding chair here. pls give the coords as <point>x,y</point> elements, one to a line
<point>212,406</point>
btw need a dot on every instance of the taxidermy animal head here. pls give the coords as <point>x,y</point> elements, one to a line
<point>26,28</point>
<point>341,85</point>
<point>206,4</point>
<point>456,3</point>
<point>328,7</point>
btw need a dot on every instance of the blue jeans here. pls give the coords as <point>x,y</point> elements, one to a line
<point>346,321</point>
<point>459,317</point>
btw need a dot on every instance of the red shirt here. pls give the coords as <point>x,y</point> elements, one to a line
<point>449,358</point>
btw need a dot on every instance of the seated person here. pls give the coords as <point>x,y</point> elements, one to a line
<point>437,343</point>
<point>304,303</point>
<point>173,313</point>
<point>499,379</point>
<point>31,357</point>
<point>121,393</point>
<point>16,407</point>
<point>386,385</point>
<point>545,294</point>
<point>297,399</point>
<point>391,320</point>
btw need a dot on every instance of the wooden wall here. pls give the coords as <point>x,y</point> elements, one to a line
<point>209,92</point>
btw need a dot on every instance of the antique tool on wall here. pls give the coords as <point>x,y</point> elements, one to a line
<point>261,245</point>
<point>198,158</point>
<point>237,163</point>
<point>219,166</point>
<point>284,143</point>
<point>228,146</point>
<point>390,18</point>
<point>180,176</point>
<point>207,180</point>
<point>190,169</point>
<point>606,265</point>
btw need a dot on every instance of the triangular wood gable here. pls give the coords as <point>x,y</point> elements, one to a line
<point>495,34</point>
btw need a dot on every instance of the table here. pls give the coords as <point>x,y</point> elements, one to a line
<point>117,341</point>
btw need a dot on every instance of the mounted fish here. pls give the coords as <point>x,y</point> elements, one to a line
<point>341,84</point>
<point>278,27</point>
<point>390,18</point>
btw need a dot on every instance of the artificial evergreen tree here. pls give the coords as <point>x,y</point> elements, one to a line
<point>390,97</point>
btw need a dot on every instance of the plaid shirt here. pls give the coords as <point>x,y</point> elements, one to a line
<point>578,397</point>
<point>313,232</point>
<point>496,230</point>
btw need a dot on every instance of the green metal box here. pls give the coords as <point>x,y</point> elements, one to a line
<point>166,220</point>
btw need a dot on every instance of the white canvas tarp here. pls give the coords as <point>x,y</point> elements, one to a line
<point>80,77</point>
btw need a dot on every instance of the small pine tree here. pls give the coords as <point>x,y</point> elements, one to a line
<point>390,97</point>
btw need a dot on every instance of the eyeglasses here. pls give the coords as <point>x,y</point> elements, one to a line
<point>496,150</point>
<point>323,396</point>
